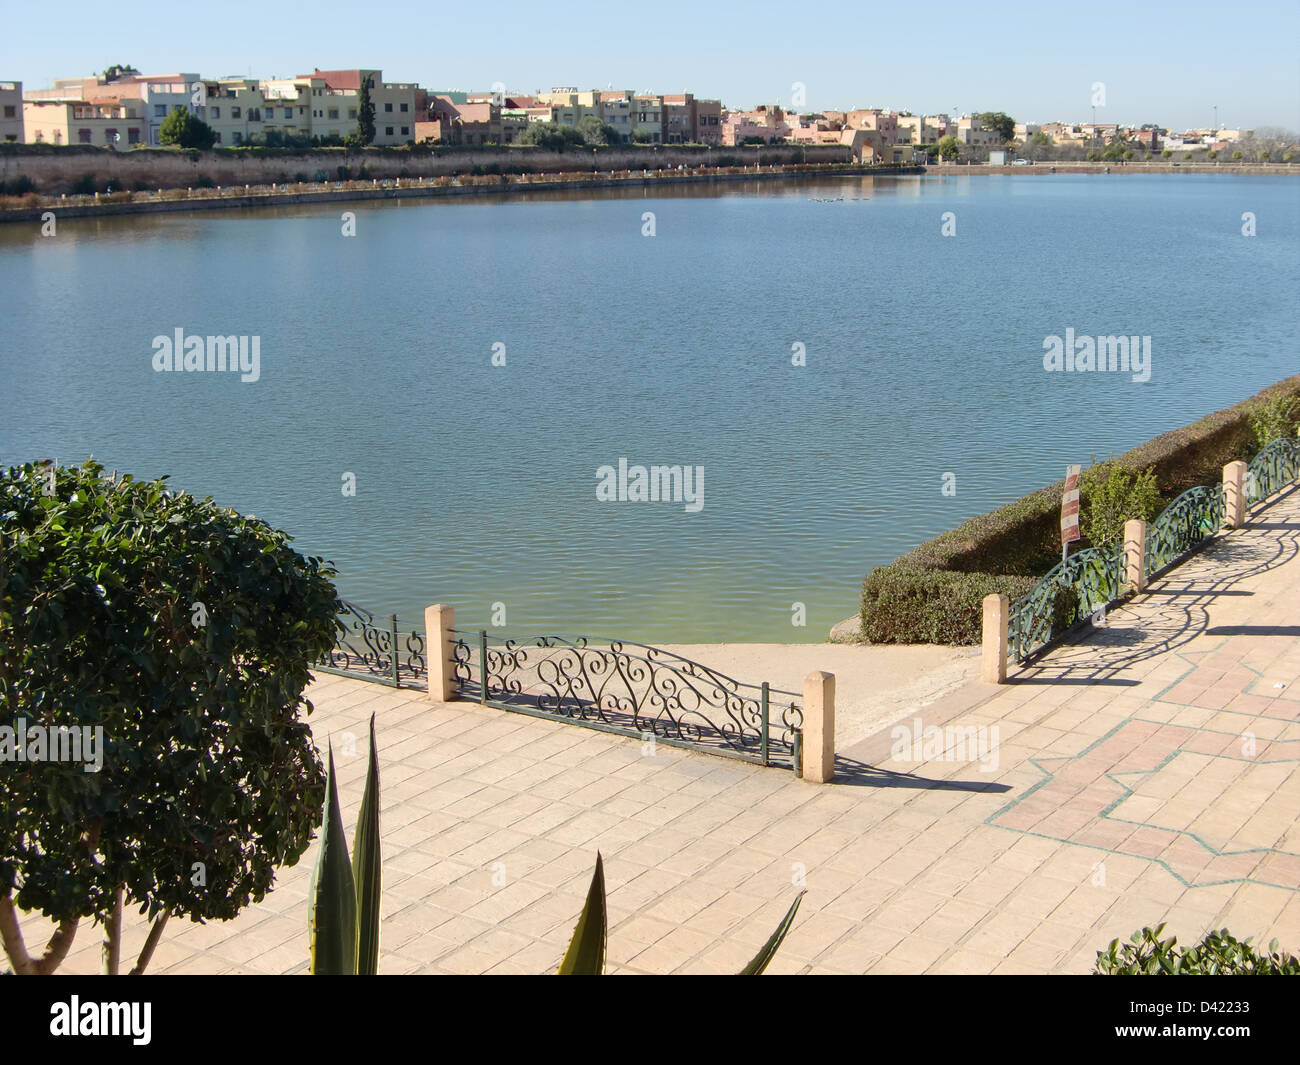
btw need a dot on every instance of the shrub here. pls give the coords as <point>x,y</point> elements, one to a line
<point>1109,496</point>
<point>1274,419</point>
<point>185,631</point>
<point>84,185</point>
<point>1218,954</point>
<point>905,605</point>
<point>20,186</point>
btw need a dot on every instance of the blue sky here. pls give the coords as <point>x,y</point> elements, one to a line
<point>1169,63</point>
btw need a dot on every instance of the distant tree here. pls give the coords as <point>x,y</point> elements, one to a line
<point>595,133</point>
<point>552,136</point>
<point>947,147</point>
<point>1002,124</point>
<point>1040,140</point>
<point>119,70</point>
<point>184,130</point>
<point>640,136</point>
<point>365,116</point>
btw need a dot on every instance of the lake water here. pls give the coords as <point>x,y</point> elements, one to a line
<point>477,484</point>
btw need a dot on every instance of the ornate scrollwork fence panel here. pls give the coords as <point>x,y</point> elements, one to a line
<point>1071,590</point>
<point>1193,517</point>
<point>1272,469</point>
<point>632,689</point>
<point>377,649</point>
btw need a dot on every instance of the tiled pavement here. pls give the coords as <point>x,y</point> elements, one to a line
<point>1146,774</point>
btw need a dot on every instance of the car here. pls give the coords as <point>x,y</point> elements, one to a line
<point>1022,162</point>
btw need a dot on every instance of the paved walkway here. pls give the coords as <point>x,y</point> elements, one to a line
<point>1146,774</point>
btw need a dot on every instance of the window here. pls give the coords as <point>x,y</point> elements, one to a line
<point>159,110</point>
<point>388,107</point>
<point>218,138</point>
<point>239,138</point>
<point>83,135</point>
<point>404,107</point>
<point>406,131</point>
<point>388,131</point>
<point>216,111</point>
<point>352,112</point>
<point>334,112</point>
<point>288,112</point>
<point>9,111</point>
<point>133,136</point>
<point>234,112</point>
<point>110,136</point>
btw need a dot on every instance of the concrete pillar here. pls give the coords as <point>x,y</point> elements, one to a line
<point>1135,556</point>
<point>997,618</point>
<point>439,620</point>
<point>1234,492</point>
<point>819,727</point>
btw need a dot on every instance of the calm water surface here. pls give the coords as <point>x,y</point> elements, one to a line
<point>477,484</point>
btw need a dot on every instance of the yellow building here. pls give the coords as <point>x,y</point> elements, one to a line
<point>118,124</point>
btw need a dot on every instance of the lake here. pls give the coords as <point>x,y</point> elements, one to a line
<point>477,484</point>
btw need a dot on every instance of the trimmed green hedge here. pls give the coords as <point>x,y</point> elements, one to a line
<point>933,593</point>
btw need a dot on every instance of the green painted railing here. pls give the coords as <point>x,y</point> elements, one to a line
<point>1073,589</point>
<point>1272,469</point>
<point>1192,518</point>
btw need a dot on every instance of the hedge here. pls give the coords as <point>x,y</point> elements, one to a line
<point>933,593</point>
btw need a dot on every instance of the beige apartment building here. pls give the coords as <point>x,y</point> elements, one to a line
<point>394,103</point>
<point>118,124</point>
<point>11,111</point>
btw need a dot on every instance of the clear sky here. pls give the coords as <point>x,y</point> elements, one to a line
<point>1169,63</point>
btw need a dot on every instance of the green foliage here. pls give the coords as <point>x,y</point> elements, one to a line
<point>1040,140</point>
<point>343,907</point>
<point>551,136</point>
<point>1218,954</point>
<point>206,756</point>
<point>183,130</point>
<point>947,147</point>
<point>1275,419</point>
<point>365,132</point>
<point>1002,124</point>
<point>905,605</point>
<point>586,953</point>
<point>1109,496</point>
<point>595,133</point>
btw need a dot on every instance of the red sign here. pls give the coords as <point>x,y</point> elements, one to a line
<point>1070,507</point>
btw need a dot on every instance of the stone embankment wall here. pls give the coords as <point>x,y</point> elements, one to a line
<point>58,170</point>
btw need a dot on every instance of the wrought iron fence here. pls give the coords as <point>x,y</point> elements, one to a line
<point>1073,589</point>
<point>1272,469</point>
<point>377,649</point>
<point>631,689</point>
<point>1190,519</point>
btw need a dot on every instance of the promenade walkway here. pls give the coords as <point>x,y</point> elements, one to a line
<point>1148,773</point>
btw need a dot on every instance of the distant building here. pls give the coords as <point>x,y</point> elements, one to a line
<point>117,124</point>
<point>11,111</point>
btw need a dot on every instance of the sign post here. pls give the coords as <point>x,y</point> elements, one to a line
<point>1070,510</point>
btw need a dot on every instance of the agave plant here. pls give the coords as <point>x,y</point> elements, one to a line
<point>586,953</point>
<point>343,914</point>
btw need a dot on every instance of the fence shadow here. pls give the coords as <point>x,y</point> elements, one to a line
<point>853,773</point>
<point>1176,609</point>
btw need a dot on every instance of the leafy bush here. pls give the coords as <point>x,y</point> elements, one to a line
<point>186,631</point>
<point>1274,419</point>
<point>1109,496</point>
<point>904,605</point>
<point>20,186</point>
<point>1218,954</point>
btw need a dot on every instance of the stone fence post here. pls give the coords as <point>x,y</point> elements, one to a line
<point>819,727</point>
<point>439,620</point>
<point>1135,556</point>
<point>1234,492</point>
<point>997,617</point>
